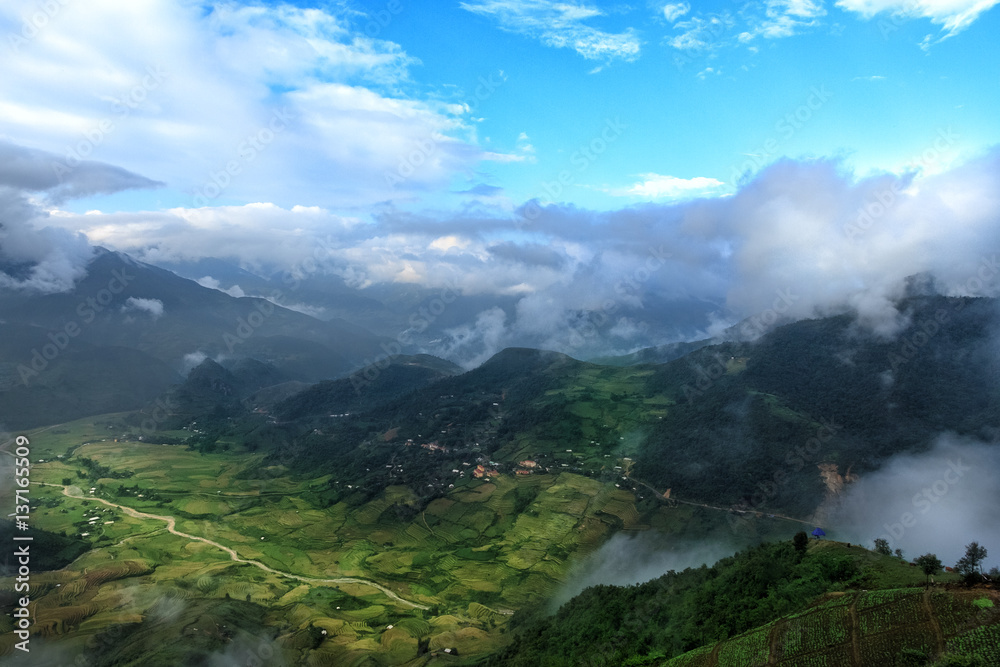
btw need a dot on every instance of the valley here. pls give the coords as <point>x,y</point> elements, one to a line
<point>431,516</point>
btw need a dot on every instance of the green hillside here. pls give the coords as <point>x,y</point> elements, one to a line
<point>833,605</point>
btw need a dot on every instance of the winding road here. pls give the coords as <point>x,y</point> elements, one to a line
<point>171,528</point>
<point>723,509</point>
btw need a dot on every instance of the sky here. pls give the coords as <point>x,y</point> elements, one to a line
<point>539,150</point>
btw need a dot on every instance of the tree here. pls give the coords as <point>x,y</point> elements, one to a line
<point>899,554</point>
<point>801,541</point>
<point>882,546</point>
<point>970,565</point>
<point>929,564</point>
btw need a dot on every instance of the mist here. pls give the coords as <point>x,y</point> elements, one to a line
<point>631,559</point>
<point>933,502</point>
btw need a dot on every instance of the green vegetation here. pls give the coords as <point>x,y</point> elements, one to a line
<point>765,605</point>
<point>684,610</point>
<point>368,495</point>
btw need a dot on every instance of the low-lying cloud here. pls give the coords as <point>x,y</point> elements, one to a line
<point>154,307</point>
<point>41,257</point>
<point>808,233</point>
<point>630,559</point>
<point>934,502</point>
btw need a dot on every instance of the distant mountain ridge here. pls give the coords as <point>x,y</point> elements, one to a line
<point>58,353</point>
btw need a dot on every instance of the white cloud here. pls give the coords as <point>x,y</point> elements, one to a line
<point>674,10</point>
<point>700,33</point>
<point>560,25</point>
<point>174,91</point>
<point>784,18</point>
<point>657,186</point>
<point>836,241</point>
<point>152,306</point>
<point>212,283</point>
<point>953,16</point>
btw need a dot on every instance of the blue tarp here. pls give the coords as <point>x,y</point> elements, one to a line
<point>818,532</point>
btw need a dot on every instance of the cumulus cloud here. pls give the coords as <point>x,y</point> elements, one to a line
<point>212,283</point>
<point>138,305</point>
<point>783,18</point>
<point>35,255</point>
<point>332,110</point>
<point>474,343</point>
<point>937,502</point>
<point>808,233</point>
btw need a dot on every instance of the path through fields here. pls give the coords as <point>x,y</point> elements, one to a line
<point>171,527</point>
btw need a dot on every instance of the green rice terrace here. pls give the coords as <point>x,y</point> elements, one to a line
<point>339,583</point>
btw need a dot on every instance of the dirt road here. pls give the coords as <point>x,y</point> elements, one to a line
<point>171,528</point>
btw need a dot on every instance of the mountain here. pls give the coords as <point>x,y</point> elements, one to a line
<point>659,354</point>
<point>126,331</point>
<point>808,402</point>
<point>437,319</point>
<point>367,388</point>
<point>46,379</point>
<point>474,497</point>
<point>131,304</point>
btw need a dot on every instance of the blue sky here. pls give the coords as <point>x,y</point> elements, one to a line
<point>526,148</point>
<point>510,91</point>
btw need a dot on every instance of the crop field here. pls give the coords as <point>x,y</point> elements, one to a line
<point>812,631</point>
<point>475,555</point>
<point>748,650</point>
<point>982,642</point>
<point>889,622</point>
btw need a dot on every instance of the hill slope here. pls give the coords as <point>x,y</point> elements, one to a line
<point>771,606</point>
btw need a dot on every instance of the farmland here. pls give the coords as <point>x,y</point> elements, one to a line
<point>865,628</point>
<point>460,565</point>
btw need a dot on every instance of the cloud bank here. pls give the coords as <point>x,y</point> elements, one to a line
<point>46,258</point>
<point>808,232</point>
<point>937,502</point>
